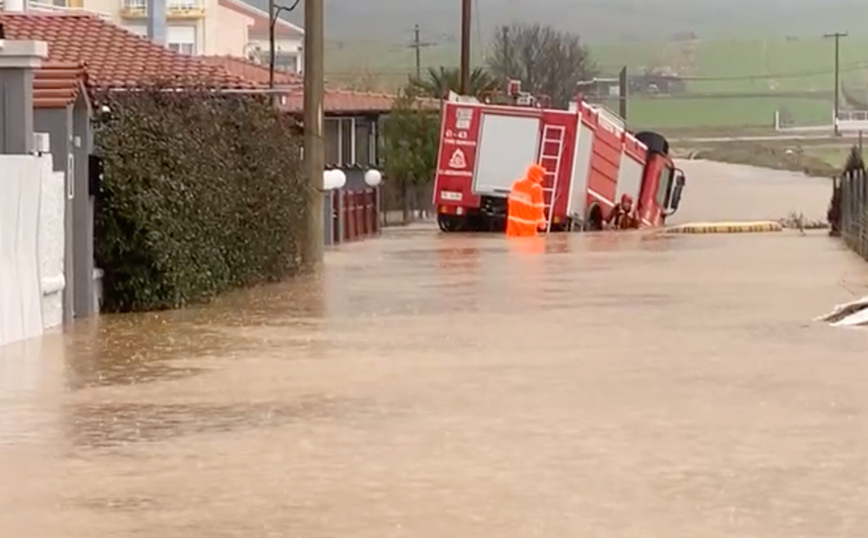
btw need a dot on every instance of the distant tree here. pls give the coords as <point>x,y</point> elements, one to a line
<point>410,141</point>
<point>546,60</point>
<point>438,82</point>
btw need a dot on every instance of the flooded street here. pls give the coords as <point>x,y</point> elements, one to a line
<point>430,385</point>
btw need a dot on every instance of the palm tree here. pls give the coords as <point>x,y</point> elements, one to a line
<point>438,82</point>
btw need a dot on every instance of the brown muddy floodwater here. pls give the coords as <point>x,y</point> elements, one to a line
<point>439,386</point>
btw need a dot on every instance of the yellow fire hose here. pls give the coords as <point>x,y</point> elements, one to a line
<point>764,226</point>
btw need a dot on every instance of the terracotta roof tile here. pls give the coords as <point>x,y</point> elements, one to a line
<point>253,72</point>
<point>113,57</point>
<point>350,101</point>
<point>57,84</point>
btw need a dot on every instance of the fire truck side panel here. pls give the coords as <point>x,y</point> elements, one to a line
<point>507,145</point>
<point>581,170</point>
<point>557,141</point>
<point>459,136</point>
<point>605,160</point>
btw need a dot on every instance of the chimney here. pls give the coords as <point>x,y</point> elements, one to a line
<point>18,60</point>
<point>156,21</point>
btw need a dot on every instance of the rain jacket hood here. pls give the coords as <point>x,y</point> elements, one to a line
<point>535,173</point>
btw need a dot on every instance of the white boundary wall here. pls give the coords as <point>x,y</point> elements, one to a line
<point>31,246</point>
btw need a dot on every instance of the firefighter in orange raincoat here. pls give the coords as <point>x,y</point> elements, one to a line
<point>526,205</point>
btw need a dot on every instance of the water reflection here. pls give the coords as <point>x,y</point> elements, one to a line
<point>143,348</point>
<point>30,373</point>
<point>113,425</point>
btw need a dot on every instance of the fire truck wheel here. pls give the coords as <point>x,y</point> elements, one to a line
<point>594,222</point>
<point>450,223</point>
<point>656,143</point>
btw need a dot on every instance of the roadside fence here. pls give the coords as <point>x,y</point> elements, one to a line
<point>848,212</point>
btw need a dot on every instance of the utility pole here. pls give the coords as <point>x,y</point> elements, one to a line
<point>622,93</point>
<point>466,13</point>
<point>272,20</point>
<point>837,36</point>
<point>314,146</point>
<point>418,46</point>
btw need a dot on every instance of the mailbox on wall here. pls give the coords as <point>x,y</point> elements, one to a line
<point>95,173</point>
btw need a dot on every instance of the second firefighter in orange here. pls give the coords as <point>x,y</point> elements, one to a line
<point>526,205</point>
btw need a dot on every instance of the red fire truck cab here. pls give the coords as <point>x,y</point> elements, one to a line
<point>590,158</point>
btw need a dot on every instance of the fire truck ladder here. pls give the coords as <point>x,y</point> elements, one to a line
<point>550,157</point>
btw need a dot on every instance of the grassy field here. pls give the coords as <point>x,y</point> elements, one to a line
<point>770,70</point>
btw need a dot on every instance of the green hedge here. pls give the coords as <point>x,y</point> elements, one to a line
<point>202,192</point>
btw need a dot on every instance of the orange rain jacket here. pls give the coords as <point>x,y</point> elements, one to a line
<point>526,205</point>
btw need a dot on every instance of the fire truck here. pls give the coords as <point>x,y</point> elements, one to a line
<point>590,158</point>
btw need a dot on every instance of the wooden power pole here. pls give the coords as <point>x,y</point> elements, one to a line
<point>465,46</point>
<point>314,147</point>
<point>837,36</point>
<point>622,93</point>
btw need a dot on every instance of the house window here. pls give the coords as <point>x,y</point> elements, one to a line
<point>183,48</point>
<point>182,5</point>
<point>332,141</point>
<point>181,39</point>
<point>347,146</point>
<point>283,61</point>
<point>286,62</point>
<point>363,142</point>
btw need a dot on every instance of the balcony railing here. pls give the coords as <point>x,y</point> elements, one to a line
<point>174,8</point>
<point>48,6</point>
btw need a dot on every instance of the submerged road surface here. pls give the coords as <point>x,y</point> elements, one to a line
<point>438,386</point>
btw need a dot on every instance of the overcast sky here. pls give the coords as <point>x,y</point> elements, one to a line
<point>611,20</point>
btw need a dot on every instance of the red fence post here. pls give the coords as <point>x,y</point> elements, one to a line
<point>366,212</point>
<point>369,209</point>
<point>346,214</point>
<point>358,214</point>
<point>378,193</point>
<point>336,217</point>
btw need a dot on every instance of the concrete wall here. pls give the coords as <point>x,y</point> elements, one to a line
<point>71,142</point>
<point>57,122</point>
<point>83,208</point>
<point>31,246</point>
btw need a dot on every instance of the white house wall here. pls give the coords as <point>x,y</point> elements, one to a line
<point>226,33</point>
<point>51,244</point>
<point>31,246</point>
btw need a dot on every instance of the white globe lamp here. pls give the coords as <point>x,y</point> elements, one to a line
<point>340,179</point>
<point>334,179</point>
<point>373,177</point>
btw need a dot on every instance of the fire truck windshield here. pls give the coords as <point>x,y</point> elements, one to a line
<point>664,187</point>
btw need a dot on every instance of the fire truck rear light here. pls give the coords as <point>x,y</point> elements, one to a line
<point>459,211</point>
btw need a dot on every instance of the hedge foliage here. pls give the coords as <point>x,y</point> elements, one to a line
<point>202,192</point>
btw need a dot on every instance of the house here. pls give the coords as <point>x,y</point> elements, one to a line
<point>198,27</point>
<point>352,118</point>
<point>87,52</point>
<point>288,37</point>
